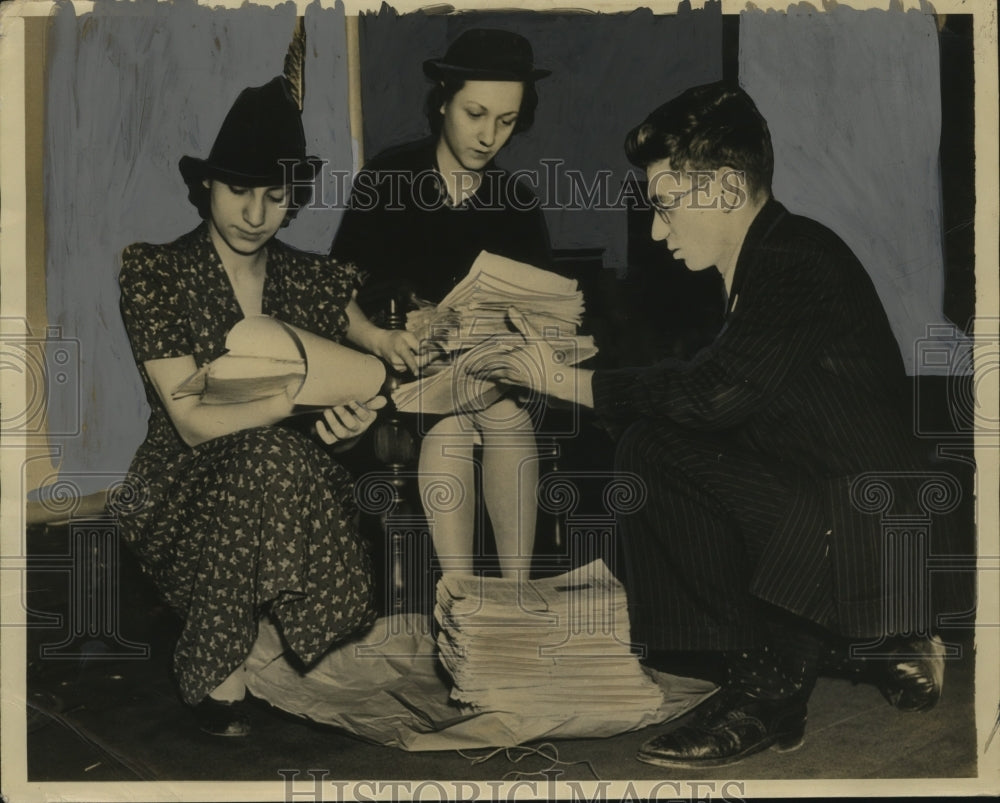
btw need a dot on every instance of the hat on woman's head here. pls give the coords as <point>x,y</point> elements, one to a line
<point>261,142</point>
<point>485,54</point>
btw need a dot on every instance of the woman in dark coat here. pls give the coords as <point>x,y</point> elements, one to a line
<point>419,216</point>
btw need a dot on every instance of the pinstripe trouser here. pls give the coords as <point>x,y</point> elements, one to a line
<point>694,549</point>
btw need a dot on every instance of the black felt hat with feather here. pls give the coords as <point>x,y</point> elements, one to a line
<point>261,142</point>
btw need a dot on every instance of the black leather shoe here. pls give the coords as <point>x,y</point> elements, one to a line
<point>221,718</point>
<point>736,727</point>
<point>914,676</point>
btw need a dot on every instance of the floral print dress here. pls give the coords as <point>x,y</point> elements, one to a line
<point>260,521</point>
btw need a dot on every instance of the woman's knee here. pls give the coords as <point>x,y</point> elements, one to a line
<point>454,434</point>
<point>268,447</point>
<point>452,426</point>
<point>505,415</point>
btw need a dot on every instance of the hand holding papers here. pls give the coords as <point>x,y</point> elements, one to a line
<point>534,361</point>
<point>485,319</point>
<point>266,357</point>
<point>342,425</point>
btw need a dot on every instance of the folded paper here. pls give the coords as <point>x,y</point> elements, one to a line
<point>265,357</point>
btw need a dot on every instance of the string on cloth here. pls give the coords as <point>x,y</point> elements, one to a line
<point>516,754</point>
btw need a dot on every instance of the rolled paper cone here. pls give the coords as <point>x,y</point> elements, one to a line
<point>265,337</point>
<point>262,336</point>
<point>335,374</point>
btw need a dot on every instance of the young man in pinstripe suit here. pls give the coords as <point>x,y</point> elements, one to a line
<point>748,544</point>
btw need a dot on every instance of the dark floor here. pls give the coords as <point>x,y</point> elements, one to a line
<point>99,719</point>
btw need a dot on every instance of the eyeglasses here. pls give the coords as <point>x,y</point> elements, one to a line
<point>663,211</point>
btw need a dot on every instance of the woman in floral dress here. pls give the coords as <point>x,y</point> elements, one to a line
<point>234,515</point>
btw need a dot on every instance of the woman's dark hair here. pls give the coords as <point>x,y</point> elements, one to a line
<point>705,128</point>
<point>443,91</point>
<point>201,197</point>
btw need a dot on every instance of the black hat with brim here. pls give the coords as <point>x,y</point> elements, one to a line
<point>486,54</point>
<point>261,142</point>
<point>299,171</point>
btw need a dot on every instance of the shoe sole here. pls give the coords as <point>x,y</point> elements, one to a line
<point>784,743</point>
<point>235,734</point>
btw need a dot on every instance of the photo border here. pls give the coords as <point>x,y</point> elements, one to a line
<point>14,454</point>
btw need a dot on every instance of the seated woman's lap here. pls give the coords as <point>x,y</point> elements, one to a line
<point>263,510</point>
<point>258,520</point>
<point>503,416</point>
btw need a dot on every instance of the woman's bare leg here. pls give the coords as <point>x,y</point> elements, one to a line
<point>446,475</point>
<point>510,482</point>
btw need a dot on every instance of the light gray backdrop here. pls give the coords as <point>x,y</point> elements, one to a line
<point>851,97</point>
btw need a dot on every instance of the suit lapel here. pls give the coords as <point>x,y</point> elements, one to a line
<point>770,215</point>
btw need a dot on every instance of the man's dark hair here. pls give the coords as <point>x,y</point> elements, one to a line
<point>201,197</point>
<point>705,128</point>
<point>443,91</point>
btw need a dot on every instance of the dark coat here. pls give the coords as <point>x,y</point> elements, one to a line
<point>405,237</point>
<point>806,375</point>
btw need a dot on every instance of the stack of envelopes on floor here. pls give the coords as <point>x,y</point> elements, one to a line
<point>542,647</point>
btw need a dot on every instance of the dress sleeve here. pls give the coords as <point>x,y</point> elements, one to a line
<point>152,305</point>
<point>319,290</point>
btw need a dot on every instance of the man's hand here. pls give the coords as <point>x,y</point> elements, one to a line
<point>344,424</point>
<point>533,362</point>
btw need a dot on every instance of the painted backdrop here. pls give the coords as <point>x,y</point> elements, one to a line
<point>852,99</point>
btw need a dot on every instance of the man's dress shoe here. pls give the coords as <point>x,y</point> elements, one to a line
<point>733,727</point>
<point>914,675</point>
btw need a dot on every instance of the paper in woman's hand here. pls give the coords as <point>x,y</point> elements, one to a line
<point>266,357</point>
<point>477,307</point>
<point>472,325</point>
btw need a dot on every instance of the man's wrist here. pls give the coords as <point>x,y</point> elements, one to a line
<point>574,386</point>
<point>585,387</point>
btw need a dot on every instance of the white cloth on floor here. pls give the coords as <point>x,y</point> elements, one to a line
<point>389,687</point>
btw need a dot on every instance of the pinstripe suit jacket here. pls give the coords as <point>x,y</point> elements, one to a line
<point>805,373</point>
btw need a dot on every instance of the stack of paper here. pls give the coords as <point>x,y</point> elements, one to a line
<point>553,646</point>
<point>472,322</point>
<point>477,307</point>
